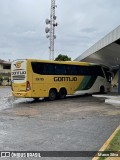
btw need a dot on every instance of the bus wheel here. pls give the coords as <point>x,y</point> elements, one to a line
<point>62,93</point>
<point>52,94</point>
<point>102,89</point>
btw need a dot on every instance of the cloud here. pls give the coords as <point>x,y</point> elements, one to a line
<point>80,25</point>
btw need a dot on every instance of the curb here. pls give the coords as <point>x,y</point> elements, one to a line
<point>114,100</point>
<point>106,144</point>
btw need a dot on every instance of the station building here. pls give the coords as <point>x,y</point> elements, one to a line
<point>106,52</point>
<point>5,72</point>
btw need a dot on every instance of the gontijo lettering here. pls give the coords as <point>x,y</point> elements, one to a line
<point>19,73</point>
<point>57,79</point>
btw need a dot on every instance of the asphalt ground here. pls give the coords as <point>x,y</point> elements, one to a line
<point>77,123</point>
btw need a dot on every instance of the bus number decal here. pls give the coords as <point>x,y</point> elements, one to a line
<point>39,79</point>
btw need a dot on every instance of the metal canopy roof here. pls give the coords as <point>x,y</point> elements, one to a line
<point>106,51</point>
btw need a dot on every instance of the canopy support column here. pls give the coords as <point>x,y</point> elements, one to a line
<point>119,82</point>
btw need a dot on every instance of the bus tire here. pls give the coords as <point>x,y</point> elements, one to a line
<point>52,94</point>
<point>102,89</point>
<point>62,93</point>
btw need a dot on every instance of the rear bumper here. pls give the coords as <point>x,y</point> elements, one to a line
<point>21,94</point>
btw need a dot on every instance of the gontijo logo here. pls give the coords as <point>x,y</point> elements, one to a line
<point>18,64</point>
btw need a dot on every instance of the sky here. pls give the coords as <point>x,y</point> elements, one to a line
<point>81,23</point>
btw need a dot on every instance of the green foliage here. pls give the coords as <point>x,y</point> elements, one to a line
<point>61,57</point>
<point>1,78</point>
<point>6,78</point>
<point>114,144</point>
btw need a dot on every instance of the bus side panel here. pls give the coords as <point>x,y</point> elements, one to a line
<point>70,83</point>
<point>42,84</point>
<point>92,84</point>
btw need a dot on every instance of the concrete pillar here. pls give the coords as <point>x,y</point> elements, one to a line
<point>119,82</point>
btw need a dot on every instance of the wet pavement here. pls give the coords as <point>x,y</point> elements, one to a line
<point>5,94</point>
<point>81,123</point>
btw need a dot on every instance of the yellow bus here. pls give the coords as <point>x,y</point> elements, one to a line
<point>36,79</point>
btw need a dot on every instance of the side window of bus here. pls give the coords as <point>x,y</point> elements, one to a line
<point>83,70</point>
<point>100,71</point>
<point>107,74</point>
<point>60,69</point>
<point>97,71</point>
<point>71,70</point>
<point>43,68</point>
<point>49,69</point>
<point>37,67</point>
<point>90,71</point>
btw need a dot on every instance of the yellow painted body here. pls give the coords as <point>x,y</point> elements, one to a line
<point>40,85</point>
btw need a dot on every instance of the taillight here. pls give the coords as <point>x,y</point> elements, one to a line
<point>27,86</point>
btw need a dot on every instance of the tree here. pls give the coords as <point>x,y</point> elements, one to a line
<point>61,57</point>
<point>1,79</point>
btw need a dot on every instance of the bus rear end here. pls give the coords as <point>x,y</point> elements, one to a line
<point>19,78</point>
